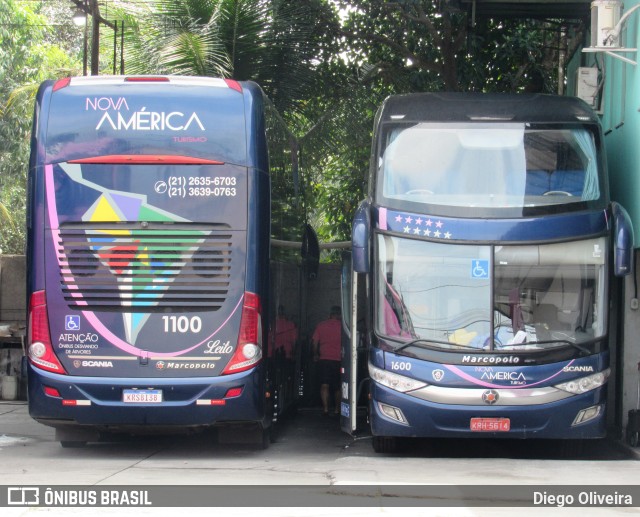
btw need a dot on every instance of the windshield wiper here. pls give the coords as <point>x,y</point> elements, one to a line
<point>554,341</point>
<point>424,343</point>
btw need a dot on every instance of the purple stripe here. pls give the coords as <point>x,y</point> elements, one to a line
<point>123,345</point>
<point>51,196</point>
<point>382,218</point>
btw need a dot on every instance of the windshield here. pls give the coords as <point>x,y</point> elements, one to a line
<point>512,298</point>
<point>491,166</point>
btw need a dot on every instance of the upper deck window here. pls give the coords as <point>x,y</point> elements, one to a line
<point>488,166</point>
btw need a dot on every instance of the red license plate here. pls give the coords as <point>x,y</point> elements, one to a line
<point>490,425</point>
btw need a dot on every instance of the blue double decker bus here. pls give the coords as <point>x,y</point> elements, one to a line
<point>488,244</point>
<point>148,257</point>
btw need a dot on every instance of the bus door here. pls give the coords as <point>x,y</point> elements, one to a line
<point>349,369</point>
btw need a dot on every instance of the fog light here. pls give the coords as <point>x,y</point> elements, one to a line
<point>393,413</point>
<point>588,414</point>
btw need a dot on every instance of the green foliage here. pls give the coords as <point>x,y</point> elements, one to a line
<point>276,43</point>
<point>417,45</point>
<point>28,55</point>
<point>325,64</point>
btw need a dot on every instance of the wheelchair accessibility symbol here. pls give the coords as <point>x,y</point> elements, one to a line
<point>72,322</point>
<point>480,269</point>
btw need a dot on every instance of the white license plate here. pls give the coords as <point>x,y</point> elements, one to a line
<point>142,396</point>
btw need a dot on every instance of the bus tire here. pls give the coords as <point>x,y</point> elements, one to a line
<point>572,448</point>
<point>385,444</point>
<point>70,437</point>
<point>264,440</point>
<point>72,444</point>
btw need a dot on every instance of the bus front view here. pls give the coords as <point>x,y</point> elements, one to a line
<point>490,243</point>
<point>147,272</point>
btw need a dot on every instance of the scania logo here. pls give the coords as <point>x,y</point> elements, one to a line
<point>77,363</point>
<point>490,397</point>
<point>160,365</point>
<point>437,375</point>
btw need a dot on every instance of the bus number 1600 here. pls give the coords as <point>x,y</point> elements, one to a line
<point>398,365</point>
<point>182,324</point>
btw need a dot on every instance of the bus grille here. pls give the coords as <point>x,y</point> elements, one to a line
<point>130,269</point>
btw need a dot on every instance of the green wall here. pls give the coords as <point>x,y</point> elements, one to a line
<point>621,121</point>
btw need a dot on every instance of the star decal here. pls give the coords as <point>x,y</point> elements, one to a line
<point>420,226</point>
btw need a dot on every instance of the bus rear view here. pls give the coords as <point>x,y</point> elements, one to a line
<point>489,243</point>
<point>147,271</point>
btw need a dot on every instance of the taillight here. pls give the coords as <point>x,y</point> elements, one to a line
<point>234,85</point>
<point>40,350</point>
<point>61,83</point>
<point>249,349</point>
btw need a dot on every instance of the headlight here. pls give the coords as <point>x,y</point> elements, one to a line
<point>394,381</point>
<point>584,384</point>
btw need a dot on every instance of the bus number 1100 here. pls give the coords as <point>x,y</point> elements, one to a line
<point>182,324</point>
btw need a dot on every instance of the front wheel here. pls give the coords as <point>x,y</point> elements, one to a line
<point>385,444</point>
<point>73,444</point>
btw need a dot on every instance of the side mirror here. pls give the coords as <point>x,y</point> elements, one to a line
<point>360,239</point>
<point>622,241</point>
<point>310,252</point>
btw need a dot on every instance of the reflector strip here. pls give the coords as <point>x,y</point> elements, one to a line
<point>52,392</point>
<point>70,402</point>
<point>233,392</point>
<point>140,159</point>
<point>210,402</point>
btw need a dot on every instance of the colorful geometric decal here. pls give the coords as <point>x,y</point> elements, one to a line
<point>143,262</point>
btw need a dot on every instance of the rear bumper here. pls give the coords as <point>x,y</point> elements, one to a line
<point>187,402</point>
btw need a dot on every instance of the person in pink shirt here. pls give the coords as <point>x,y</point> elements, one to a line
<point>286,335</point>
<point>326,343</point>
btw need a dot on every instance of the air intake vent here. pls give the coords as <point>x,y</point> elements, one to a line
<point>136,267</point>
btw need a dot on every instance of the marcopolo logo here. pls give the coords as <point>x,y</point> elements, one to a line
<point>490,359</point>
<point>185,365</point>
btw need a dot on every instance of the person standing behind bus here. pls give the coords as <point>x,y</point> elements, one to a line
<point>327,353</point>
<point>286,335</point>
